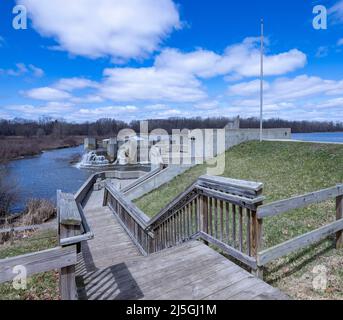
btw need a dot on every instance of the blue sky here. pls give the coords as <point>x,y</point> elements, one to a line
<point>136,59</point>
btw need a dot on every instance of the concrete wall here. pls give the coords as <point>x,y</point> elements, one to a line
<point>123,175</point>
<point>112,150</point>
<point>195,150</point>
<point>235,137</point>
<point>90,144</point>
<point>156,181</point>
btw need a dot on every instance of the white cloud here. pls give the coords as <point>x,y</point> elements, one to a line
<point>201,63</point>
<point>176,76</point>
<point>118,112</point>
<point>62,89</point>
<point>322,52</point>
<point>336,103</point>
<point>71,84</point>
<point>340,42</point>
<point>305,86</point>
<point>22,69</point>
<point>247,58</point>
<point>303,97</point>
<point>171,113</point>
<point>247,88</point>
<point>156,107</point>
<point>87,99</point>
<point>290,89</point>
<point>207,105</point>
<point>337,12</point>
<point>5,115</point>
<point>52,108</point>
<point>109,110</point>
<point>150,84</point>
<point>47,93</point>
<point>98,28</point>
<point>239,60</point>
<point>37,72</point>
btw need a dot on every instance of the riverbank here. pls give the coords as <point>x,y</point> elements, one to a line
<point>287,169</point>
<point>14,148</point>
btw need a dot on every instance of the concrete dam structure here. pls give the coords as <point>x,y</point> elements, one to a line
<point>188,147</point>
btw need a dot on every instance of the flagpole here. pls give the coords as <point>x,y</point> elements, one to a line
<point>262,75</point>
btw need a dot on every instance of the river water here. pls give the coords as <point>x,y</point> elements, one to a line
<point>41,176</point>
<point>320,137</point>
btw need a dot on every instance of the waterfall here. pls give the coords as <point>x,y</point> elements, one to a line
<point>91,159</point>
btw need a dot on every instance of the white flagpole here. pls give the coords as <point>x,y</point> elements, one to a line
<point>262,75</point>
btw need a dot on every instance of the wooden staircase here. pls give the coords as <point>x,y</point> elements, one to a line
<point>135,257</point>
<point>111,267</point>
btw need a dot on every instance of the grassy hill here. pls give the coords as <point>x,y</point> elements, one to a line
<point>286,169</point>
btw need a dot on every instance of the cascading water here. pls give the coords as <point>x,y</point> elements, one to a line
<point>91,159</point>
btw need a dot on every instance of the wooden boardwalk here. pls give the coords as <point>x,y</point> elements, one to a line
<point>111,245</point>
<point>110,267</point>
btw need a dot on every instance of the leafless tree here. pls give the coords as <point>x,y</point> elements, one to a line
<point>8,193</point>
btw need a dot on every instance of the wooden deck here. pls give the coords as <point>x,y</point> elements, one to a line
<point>110,267</point>
<point>111,245</point>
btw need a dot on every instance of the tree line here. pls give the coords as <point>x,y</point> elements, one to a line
<point>109,127</point>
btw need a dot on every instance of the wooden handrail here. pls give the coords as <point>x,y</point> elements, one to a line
<point>298,202</point>
<point>233,186</point>
<point>70,213</point>
<point>173,205</point>
<point>140,217</point>
<point>206,185</point>
<point>81,194</point>
<point>249,203</point>
<point>132,219</point>
<point>298,243</point>
<point>38,262</point>
<point>238,255</point>
<point>305,240</point>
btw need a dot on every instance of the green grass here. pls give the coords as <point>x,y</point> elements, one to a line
<point>287,169</point>
<point>42,286</point>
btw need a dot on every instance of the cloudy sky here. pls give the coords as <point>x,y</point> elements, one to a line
<point>137,59</point>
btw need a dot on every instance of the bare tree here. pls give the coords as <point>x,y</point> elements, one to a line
<point>8,193</point>
<point>57,129</point>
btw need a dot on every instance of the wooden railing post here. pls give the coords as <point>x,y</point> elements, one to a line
<point>257,236</point>
<point>151,244</point>
<point>69,226</point>
<point>256,240</point>
<point>339,216</point>
<point>203,208</point>
<point>105,200</point>
<point>67,274</point>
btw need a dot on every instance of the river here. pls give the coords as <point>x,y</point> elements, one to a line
<point>41,176</point>
<point>320,137</point>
